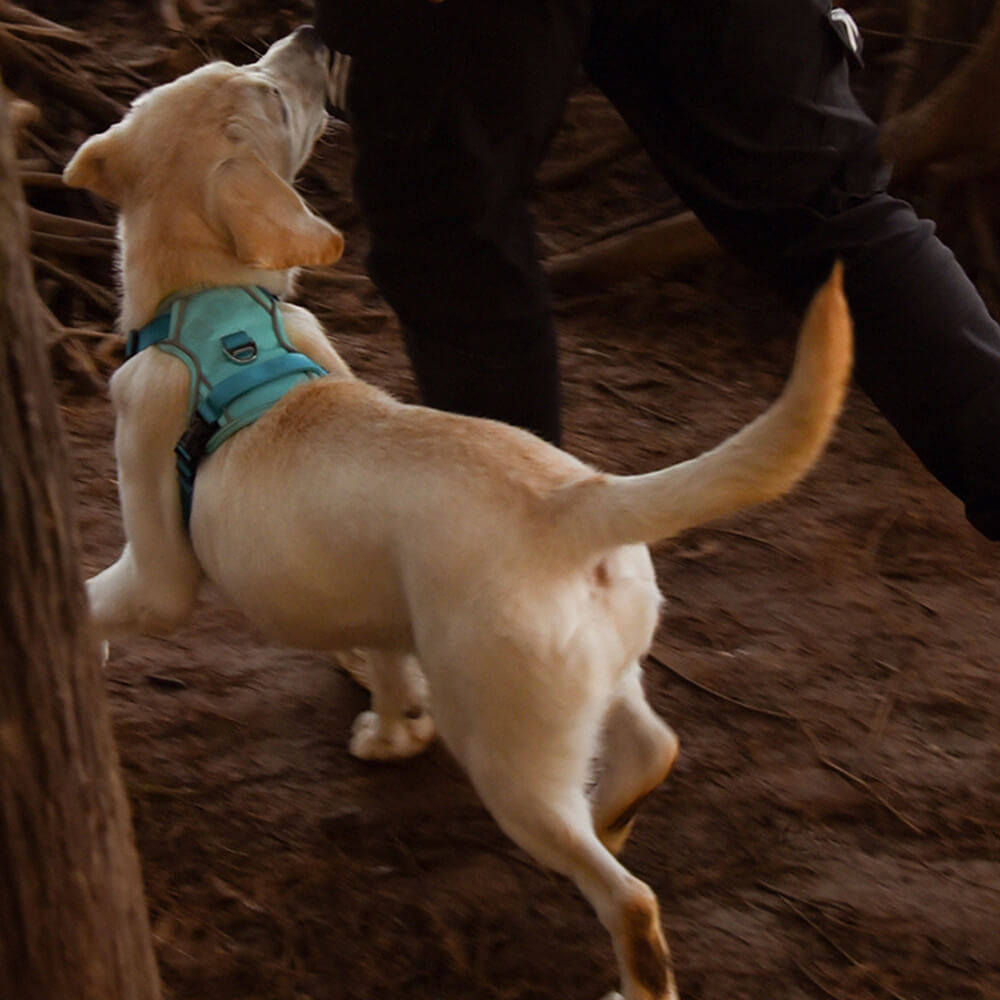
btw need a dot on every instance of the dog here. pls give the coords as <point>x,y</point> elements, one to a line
<point>502,588</point>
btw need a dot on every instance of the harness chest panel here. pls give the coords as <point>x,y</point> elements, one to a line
<point>241,363</point>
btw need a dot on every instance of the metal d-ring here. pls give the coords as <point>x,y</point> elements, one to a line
<point>239,347</point>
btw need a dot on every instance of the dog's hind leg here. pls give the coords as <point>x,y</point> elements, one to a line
<point>638,752</point>
<point>534,789</point>
<point>398,724</point>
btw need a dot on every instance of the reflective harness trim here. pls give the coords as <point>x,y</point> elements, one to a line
<point>214,332</point>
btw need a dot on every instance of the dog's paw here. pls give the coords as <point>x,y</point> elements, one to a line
<point>376,738</point>
<point>104,649</point>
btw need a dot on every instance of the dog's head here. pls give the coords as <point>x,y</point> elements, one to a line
<point>202,169</point>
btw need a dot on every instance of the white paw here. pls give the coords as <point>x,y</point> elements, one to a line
<point>375,738</point>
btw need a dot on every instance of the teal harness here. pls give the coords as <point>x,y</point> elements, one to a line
<point>233,341</point>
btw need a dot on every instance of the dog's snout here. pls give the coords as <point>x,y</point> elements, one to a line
<point>309,38</point>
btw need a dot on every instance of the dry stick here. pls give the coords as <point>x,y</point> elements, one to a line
<point>902,83</point>
<point>787,900</point>
<point>72,361</point>
<point>855,780</point>
<point>347,279</point>
<point>55,33</point>
<point>59,332</point>
<point>84,333</point>
<point>952,43</point>
<point>787,717</point>
<point>888,701</point>
<point>73,246</point>
<point>907,595</point>
<point>948,876</point>
<point>88,289</point>
<point>661,245</point>
<point>754,538</point>
<point>13,13</point>
<point>69,354</point>
<point>42,64</point>
<point>635,404</point>
<point>825,906</point>
<point>566,175</point>
<point>771,713</point>
<point>668,209</point>
<point>812,979</point>
<point>62,225</point>
<point>949,122</point>
<point>41,179</point>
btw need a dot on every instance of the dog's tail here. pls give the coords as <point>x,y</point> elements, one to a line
<point>758,463</point>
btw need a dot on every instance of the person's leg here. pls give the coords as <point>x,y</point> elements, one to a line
<point>747,109</point>
<point>451,119</point>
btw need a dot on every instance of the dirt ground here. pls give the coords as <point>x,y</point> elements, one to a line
<point>832,829</point>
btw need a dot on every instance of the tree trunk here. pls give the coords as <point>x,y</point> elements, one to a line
<point>73,922</point>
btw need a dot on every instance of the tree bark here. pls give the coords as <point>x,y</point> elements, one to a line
<point>73,921</point>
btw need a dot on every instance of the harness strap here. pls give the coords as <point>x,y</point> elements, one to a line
<point>152,333</point>
<point>197,439</point>
<point>230,389</point>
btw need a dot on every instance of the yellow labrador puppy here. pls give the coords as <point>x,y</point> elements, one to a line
<point>516,575</point>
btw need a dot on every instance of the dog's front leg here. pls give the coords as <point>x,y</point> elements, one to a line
<point>151,596</point>
<point>398,724</point>
<point>152,587</point>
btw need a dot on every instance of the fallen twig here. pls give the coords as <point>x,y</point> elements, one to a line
<point>902,82</point>
<point>754,538</point>
<point>857,781</point>
<point>62,225</point>
<point>73,246</point>
<point>948,123</point>
<point>885,706</point>
<point>41,179</point>
<point>771,713</point>
<point>812,979</point>
<point>46,69</point>
<point>566,175</point>
<point>90,290</point>
<point>788,900</point>
<point>656,246</point>
<point>635,404</point>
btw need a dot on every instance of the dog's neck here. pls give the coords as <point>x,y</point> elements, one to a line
<point>154,267</point>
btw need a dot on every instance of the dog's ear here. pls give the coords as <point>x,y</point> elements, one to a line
<point>270,225</point>
<point>98,165</point>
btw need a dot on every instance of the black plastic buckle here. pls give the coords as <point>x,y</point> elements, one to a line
<point>190,449</point>
<point>131,344</point>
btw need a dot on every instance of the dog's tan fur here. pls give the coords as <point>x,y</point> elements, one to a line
<point>517,575</point>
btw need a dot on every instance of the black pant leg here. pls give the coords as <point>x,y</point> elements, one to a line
<point>746,107</point>
<point>450,122</point>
